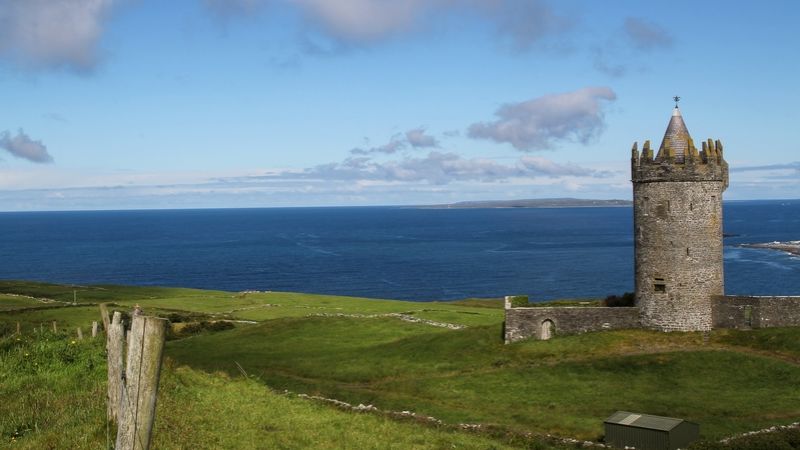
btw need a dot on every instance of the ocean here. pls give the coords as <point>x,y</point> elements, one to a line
<point>381,252</point>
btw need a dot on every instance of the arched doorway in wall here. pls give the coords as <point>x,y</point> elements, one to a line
<point>547,329</point>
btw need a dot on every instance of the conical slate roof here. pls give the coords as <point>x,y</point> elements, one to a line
<point>676,136</point>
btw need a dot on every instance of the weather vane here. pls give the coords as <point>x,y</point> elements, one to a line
<point>677,99</point>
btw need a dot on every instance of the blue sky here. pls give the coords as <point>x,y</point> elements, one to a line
<point>116,104</point>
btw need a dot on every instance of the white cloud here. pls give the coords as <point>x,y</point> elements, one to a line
<point>364,22</point>
<point>540,123</point>
<point>393,146</point>
<point>646,35</point>
<point>22,146</point>
<point>524,22</point>
<point>417,138</point>
<point>52,33</point>
<point>625,48</point>
<point>438,168</point>
<point>435,178</point>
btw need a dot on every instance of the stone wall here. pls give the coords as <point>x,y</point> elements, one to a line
<point>522,323</point>
<point>745,312</point>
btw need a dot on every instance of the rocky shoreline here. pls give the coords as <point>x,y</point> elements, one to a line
<point>791,247</point>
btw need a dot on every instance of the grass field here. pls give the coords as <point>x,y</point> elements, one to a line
<point>372,352</point>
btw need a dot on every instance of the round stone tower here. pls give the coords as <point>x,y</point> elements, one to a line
<point>677,219</point>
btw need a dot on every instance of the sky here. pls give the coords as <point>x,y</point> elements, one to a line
<point>139,104</point>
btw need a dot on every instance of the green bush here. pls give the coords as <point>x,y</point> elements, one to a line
<point>518,301</point>
<point>201,327</point>
<point>626,299</point>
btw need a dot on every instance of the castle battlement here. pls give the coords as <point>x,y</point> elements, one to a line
<point>708,164</point>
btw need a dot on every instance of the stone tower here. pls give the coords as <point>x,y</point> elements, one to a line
<point>677,219</point>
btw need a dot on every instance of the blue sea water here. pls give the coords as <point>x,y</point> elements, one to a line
<point>382,252</point>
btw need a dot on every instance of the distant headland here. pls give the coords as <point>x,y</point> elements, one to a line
<point>791,247</point>
<point>531,203</point>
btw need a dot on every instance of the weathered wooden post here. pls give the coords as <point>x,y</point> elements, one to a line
<point>145,352</point>
<point>115,345</point>
<point>80,334</point>
<point>19,330</point>
<point>94,329</point>
<point>104,316</point>
<point>55,328</point>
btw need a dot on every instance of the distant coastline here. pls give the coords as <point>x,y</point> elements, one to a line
<point>791,247</point>
<point>532,203</point>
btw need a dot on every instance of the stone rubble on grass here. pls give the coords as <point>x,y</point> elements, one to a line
<point>401,316</point>
<point>772,429</point>
<point>464,426</point>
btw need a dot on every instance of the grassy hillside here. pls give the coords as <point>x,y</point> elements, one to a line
<point>444,360</point>
<point>52,395</point>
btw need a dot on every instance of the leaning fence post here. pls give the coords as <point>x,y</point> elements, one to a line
<point>55,328</point>
<point>104,316</point>
<point>80,334</point>
<point>115,345</point>
<point>145,351</point>
<point>94,329</point>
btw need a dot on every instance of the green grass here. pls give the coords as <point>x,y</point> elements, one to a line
<point>13,302</point>
<point>352,349</point>
<point>783,341</point>
<point>565,386</point>
<point>52,395</point>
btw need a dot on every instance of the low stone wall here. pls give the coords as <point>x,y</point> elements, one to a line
<point>741,311</point>
<point>522,323</point>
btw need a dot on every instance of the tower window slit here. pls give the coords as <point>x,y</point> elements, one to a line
<point>659,285</point>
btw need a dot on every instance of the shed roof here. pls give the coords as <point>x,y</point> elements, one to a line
<point>644,421</point>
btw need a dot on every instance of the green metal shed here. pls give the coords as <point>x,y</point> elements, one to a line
<point>646,432</point>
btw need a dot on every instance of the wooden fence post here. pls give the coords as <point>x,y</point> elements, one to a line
<point>19,330</point>
<point>115,345</point>
<point>104,316</point>
<point>94,329</point>
<point>55,328</point>
<point>80,334</point>
<point>145,352</point>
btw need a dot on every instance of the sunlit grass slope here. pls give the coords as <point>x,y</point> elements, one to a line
<point>374,352</point>
<point>52,395</point>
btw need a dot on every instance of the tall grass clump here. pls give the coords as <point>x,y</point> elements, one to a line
<point>50,387</point>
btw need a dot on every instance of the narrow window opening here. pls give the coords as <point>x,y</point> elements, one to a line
<point>687,251</point>
<point>659,285</point>
<point>691,207</point>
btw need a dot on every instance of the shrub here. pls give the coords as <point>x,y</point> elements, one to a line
<point>519,301</point>
<point>626,299</point>
<point>199,327</point>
